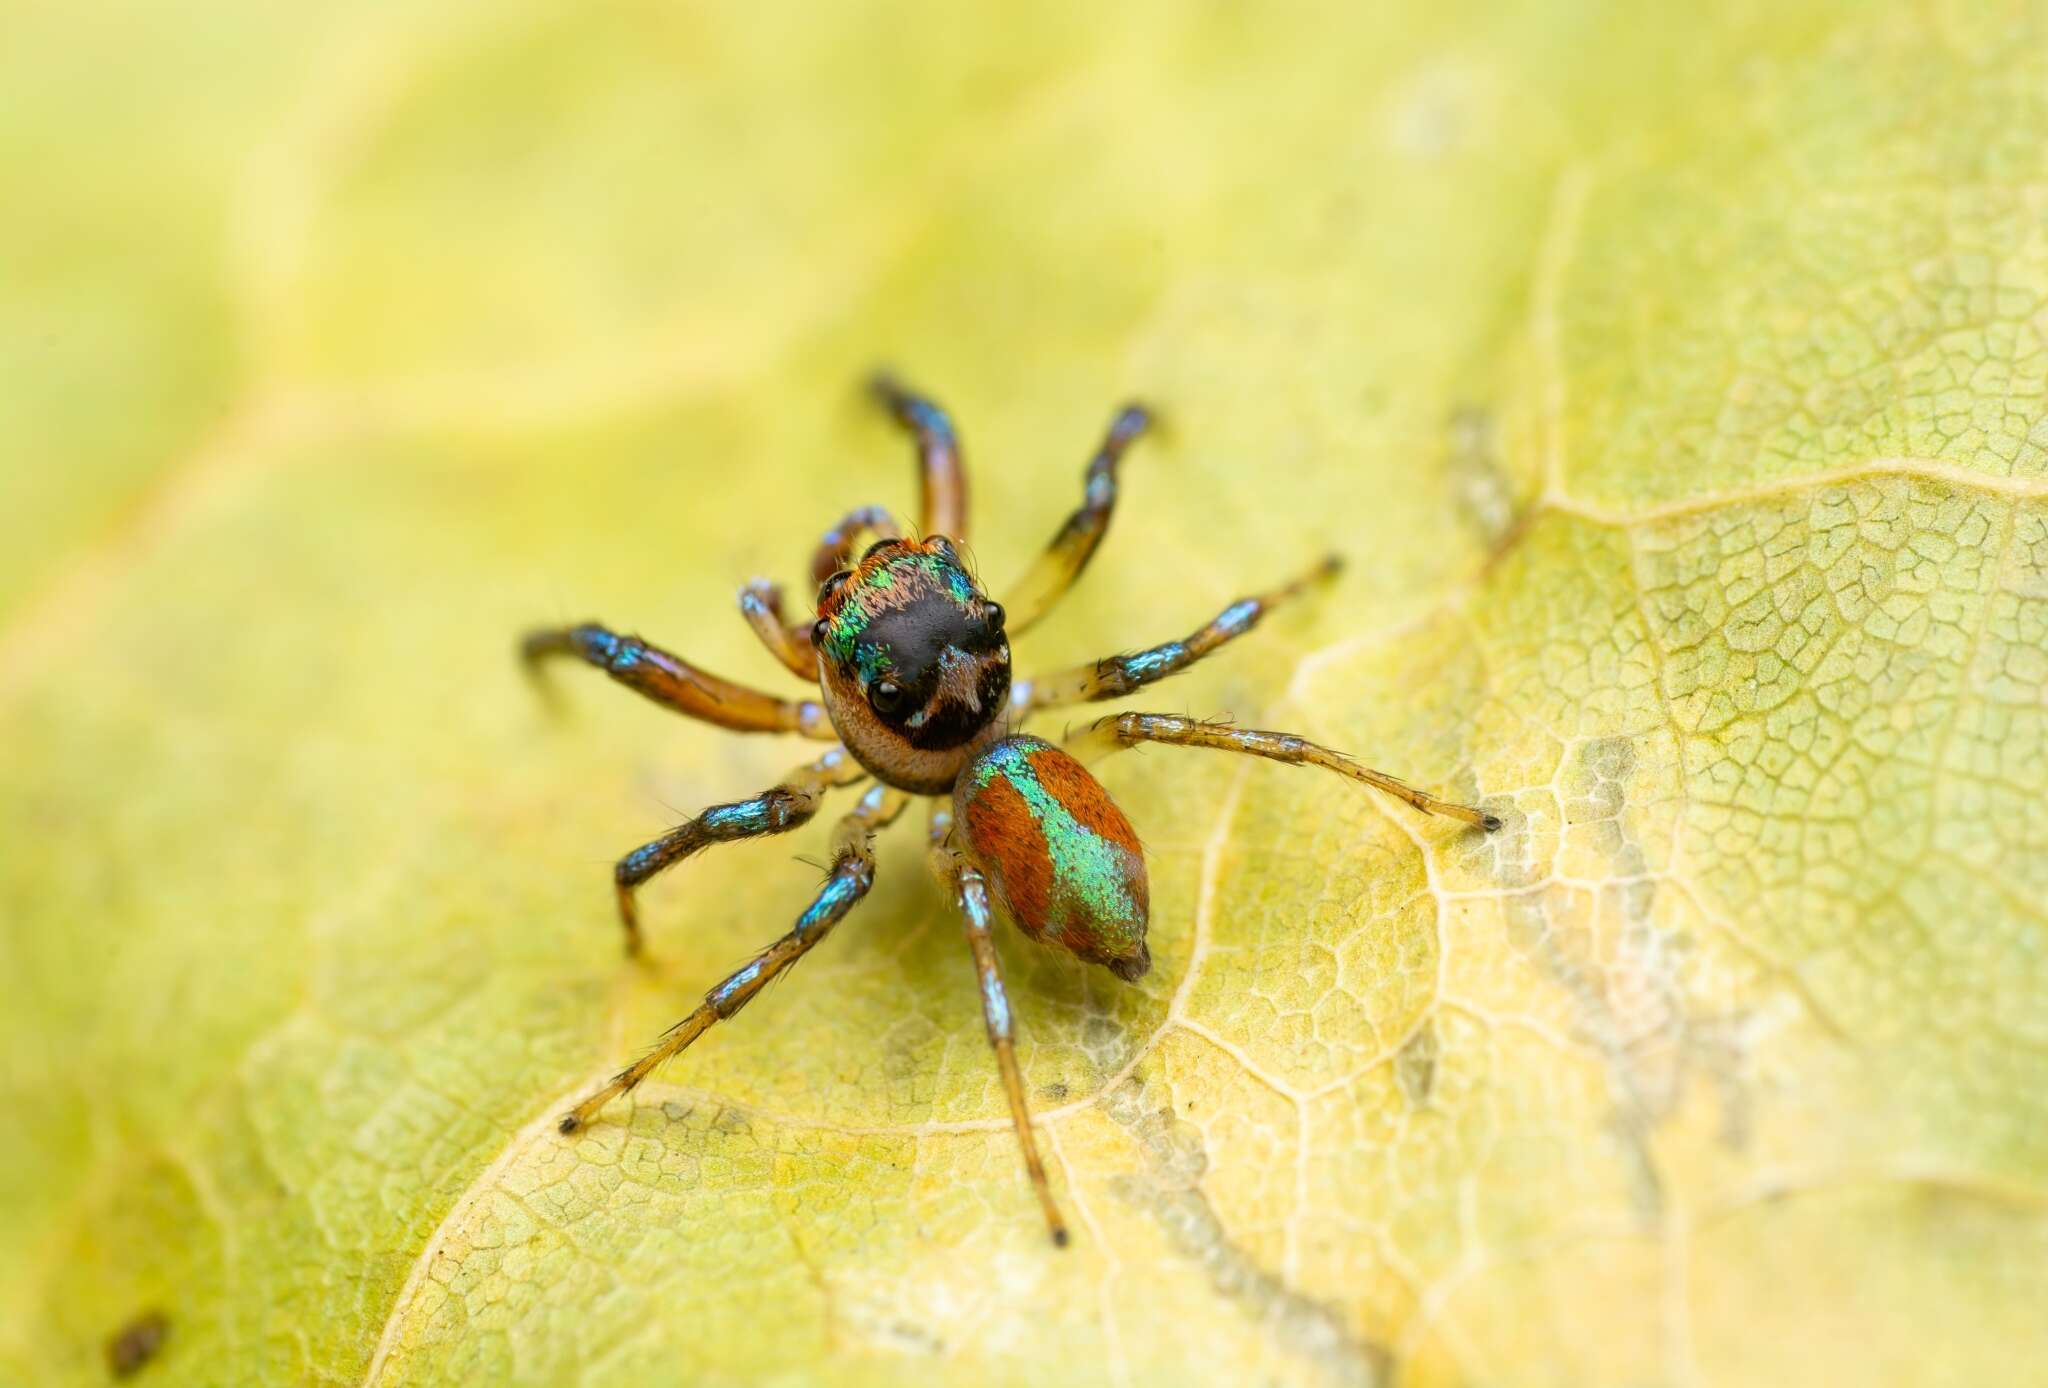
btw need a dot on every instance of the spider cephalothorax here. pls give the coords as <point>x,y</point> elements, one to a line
<point>913,661</point>
<point>912,664</point>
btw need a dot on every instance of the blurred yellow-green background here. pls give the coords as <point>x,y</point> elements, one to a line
<point>1674,380</point>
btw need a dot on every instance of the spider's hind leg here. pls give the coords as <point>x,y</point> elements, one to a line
<point>1129,729</point>
<point>970,892</point>
<point>846,882</point>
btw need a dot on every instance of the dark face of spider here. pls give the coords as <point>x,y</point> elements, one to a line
<point>914,662</point>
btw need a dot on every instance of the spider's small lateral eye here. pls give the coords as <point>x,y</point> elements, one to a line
<point>943,546</point>
<point>818,632</point>
<point>885,696</point>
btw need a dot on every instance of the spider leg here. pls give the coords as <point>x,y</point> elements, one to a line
<point>761,601</point>
<point>789,642</point>
<point>938,454</point>
<point>970,891</point>
<point>1117,675</point>
<point>674,683</point>
<point>1054,572</point>
<point>1129,729</point>
<point>777,810</point>
<point>846,882</point>
<point>836,546</point>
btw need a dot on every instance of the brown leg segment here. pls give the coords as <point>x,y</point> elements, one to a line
<point>1117,675</point>
<point>944,477</point>
<point>836,546</point>
<point>846,882</point>
<point>970,891</point>
<point>1129,729</point>
<point>673,682</point>
<point>790,643</point>
<point>761,601</point>
<point>1055,571</point>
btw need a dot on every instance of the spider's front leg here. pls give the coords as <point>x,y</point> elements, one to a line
<point>970,891</point>
<point>1048,579</point>
<point>761,601</point>
<point>777,810</point>
<point>1129,729</point>
<point>836,546</point>
<point>1117,675</point>
<point>789,642</point>
<point>942,474</point>
<point>846,882</point>
<point>675,683</point>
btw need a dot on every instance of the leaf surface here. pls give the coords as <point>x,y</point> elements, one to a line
<point>1674,384</point>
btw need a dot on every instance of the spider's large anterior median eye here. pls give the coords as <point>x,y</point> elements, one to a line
<point>886,696</point>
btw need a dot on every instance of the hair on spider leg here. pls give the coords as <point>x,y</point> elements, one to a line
<point>823,866</point>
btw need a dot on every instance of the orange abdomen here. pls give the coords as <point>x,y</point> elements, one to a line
<point>1058,853</point>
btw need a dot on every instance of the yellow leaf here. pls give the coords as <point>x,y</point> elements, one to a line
<point>1674,382</point>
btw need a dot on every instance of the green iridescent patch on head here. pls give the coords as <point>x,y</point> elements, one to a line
<point>890,586</point>
<point>873,660</point>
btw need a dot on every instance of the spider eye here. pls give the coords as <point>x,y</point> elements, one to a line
<point>885,696</point>
<point>833,585</point>
<point>818,632</point>
<point>940,545</point>
<point>993,614</point>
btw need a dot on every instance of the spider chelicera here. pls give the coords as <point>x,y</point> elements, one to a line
<point>912,664</point>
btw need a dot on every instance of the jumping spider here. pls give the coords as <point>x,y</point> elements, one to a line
<point>912,664</point>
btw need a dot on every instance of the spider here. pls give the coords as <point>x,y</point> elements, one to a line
<point>911,660</point>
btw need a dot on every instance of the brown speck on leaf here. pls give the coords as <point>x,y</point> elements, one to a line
<point>136,1343</point>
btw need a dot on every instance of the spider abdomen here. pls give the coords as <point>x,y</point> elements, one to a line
<point>1057,851</point>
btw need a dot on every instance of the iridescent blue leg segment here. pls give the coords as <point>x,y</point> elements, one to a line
<point>1129,729</point>
<point>846,882</point>
<point>674,683</point>
<point>970,891</point>
<point>776,810</point>
<point>1055,571</point>
<point>943,476</point>
<point>1117,675</point>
